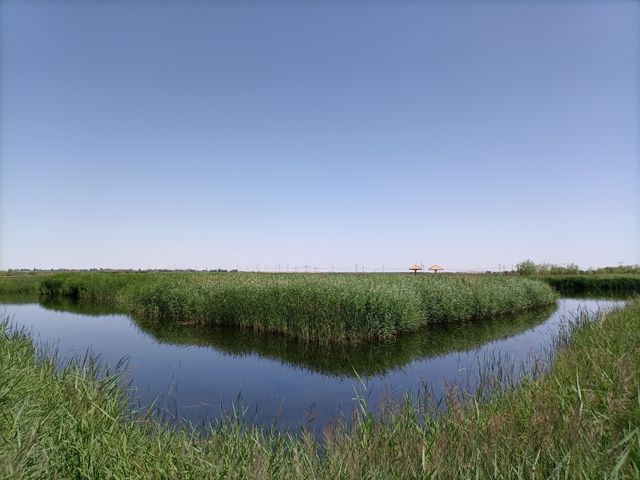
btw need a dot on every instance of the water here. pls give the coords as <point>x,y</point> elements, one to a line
<point>198,373</point>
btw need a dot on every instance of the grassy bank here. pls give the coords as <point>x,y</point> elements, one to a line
<point>579,420</point>
<point>325,307</point>
<point>593,283</point>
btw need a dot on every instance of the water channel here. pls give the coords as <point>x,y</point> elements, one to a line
<point>199,374</point>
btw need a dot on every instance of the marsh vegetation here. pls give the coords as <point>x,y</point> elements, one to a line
<point>576,417</point>
<point>311,307</point>
<point>578,420</point>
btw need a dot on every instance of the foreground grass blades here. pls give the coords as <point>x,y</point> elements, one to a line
<point>579,420</point>
<point>320,307</point>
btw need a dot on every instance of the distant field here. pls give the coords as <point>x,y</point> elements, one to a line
<point>322,307</point>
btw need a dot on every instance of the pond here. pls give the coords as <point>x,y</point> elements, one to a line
<point>200,373</point>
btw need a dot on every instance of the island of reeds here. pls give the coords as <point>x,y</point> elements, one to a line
<point>310,307</point>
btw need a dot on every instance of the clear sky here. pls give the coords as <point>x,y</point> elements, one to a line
<point>329,133</point>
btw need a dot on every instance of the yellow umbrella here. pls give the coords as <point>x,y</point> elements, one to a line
<point>435,268</point>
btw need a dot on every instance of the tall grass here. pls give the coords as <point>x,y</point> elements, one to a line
<point>322,307</point>
<point>18,285</point>
<point>337,307</point>
<point>594,283</point>
<point>348,360</point>
<point>579,420</point>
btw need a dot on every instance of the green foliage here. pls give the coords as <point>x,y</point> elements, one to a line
<point>579,420</point>
<point>22,284</point>
<point>596,284</point>
<point>339,359</point>
<point>569,279</point>
<point>527,267</point>
<point>569,268</point>
<point>634,269</point>
<point>319,307</point>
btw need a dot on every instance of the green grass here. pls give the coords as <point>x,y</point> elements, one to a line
<point>594,283</point>
<point>350,360</point>
<point>581,419</point>
<point>22,284</point>
<point>320,307</point>
<point>364,359</point>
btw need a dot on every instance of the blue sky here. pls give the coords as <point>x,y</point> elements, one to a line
<point>223,134</point>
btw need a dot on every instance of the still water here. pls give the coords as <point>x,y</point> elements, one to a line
<point>199,373</point>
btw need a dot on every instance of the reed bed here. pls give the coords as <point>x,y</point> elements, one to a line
<point>318,307</point>
<point>347,360</point>
<point>581,419</point>
<point>594,283</point>
<point>20,285</point>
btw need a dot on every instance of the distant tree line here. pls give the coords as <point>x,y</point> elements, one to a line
<point>528,267</point>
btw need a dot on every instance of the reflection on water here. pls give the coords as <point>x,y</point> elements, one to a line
<point>366,359</point>
<point>198,370</point>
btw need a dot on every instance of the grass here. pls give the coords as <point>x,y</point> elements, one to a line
<point>319,307</point>
<point>347,360</point>
<point>341,360</point>
<point>594,283</point>
<point>581,419</point>
<point>20,285</point>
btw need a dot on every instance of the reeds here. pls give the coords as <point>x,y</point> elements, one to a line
<point>580,419</point>
<point>594,283</point>
<point>320,307</point>
<point>345,360</point>
<point>317,307</point>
